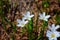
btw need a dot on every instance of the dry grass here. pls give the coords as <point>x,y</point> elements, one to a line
<point>18,7</point>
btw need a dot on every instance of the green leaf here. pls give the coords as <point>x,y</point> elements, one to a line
<point>30,26</point>
<point>30,30</point>
<point>14,28</point>
<point>45,24</point>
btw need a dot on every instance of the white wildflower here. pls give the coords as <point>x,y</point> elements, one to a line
<point>21,23</point>
<point>43,16</point>
<point>28,16</point>
<point>52,35</point>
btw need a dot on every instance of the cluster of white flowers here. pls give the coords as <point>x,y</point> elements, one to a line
<point>52,34</point>
<point>21,23</point>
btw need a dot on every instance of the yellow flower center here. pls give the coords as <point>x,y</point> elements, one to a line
<point>52,35</point>
<point>22,24</point>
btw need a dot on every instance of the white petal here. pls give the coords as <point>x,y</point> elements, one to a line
<point>18,25</point>
<point>31,16</point>
<point>44,14</point>
<point>28,13</point>
<point>54,39</point>
<point>47,16</point>
<point>40,15</point>
<point>25,22</point>
<point>24,18</point>
<point>53,26</point>
<point>50,38</point>
<point>18,20</point>
<point>57,27</point>
<point>48,33</point>
<point>57,34</point>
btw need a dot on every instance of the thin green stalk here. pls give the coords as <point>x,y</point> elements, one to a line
<point>30,30</point>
